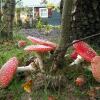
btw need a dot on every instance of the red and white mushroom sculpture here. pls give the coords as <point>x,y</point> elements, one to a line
<point>95,68</point>
<point>80,80</point>
<point>9,69</point>
<point>21,43</point>
<point>7,72</point>
<point>42,42</point>
<point>39,50</point>
<point>11,66</point>
<point>84,51</point>
<point>45,46</point>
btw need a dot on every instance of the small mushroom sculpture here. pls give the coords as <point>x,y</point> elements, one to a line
<point>39,50</point>
<point>7,72</point>
<point>95,68</point>
<point>21,43</point>
<point>42,42</point>
<point>84,51</point>
<point>80,80</point>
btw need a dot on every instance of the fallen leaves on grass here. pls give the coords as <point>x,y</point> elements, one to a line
<point>28,86</point>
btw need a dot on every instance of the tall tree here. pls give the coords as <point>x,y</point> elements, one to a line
<point>65,34</point>
<point>6,30</point>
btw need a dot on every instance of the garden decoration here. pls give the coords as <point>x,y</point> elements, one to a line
<point>30,67</point>
<point>42,42</point>
<point>11,66</point>
<point>7,72</point>
<point>85,52</point>
<point>80,81</point>
<point>9,69</point>
<point>95,68</point>
<point>21,43</point>
<point>39,52</point>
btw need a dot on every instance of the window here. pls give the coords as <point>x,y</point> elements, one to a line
<point>43,12</point>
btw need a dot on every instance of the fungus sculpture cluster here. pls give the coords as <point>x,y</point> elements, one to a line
<point>9,69</point>
<point>82,52</point>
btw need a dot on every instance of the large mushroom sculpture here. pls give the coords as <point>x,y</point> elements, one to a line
<point>84,51</point>
<point>39,50</point>
<point>43,47</point>
<point>42,42</point>
<point>9,69</point>
<point>7,72</point>
<point>95,68</point>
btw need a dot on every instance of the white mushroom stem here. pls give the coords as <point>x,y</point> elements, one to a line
<point>40,61</point>
<point>77,61</point>
<point>30,67</point>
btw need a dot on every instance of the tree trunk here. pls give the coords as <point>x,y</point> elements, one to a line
<point>18,20</point>
<point>65,34</point>
<point>61,6</point>
<point>0,11</point>
<point>6,30</point>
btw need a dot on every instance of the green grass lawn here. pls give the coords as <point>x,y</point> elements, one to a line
<point>9,50</point>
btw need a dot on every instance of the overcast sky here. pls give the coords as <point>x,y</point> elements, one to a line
<point>36,2</point>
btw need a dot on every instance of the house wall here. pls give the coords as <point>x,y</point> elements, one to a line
<point>36,11</point>
<point>55,19</point>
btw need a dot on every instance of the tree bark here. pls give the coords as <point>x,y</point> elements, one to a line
<point>6,30</point>
<point>18,20</point>
<point>86,20</point>
<point>61,6</point>
<point>65,34</point>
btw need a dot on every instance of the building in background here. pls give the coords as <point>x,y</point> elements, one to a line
<point>42,11</point>
<point>46,12</point>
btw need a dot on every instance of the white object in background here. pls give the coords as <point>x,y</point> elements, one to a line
<point>43,12</point>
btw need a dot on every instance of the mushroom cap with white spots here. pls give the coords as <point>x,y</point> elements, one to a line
<point>8,71</point>
<point>42,42</point>
<point>84,50</point>
<point>38,48</point>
